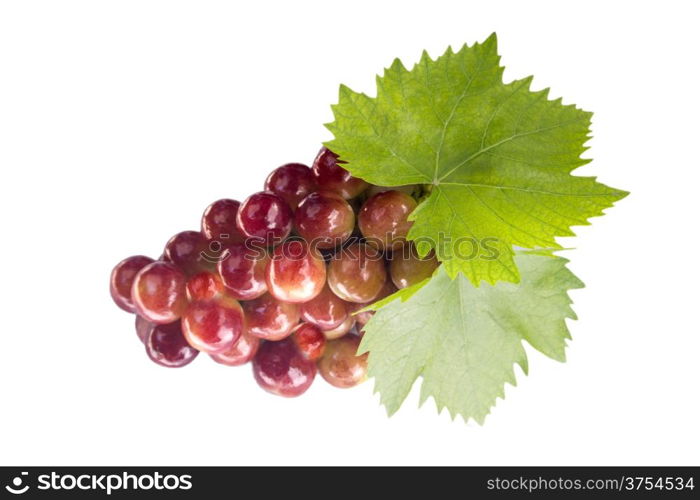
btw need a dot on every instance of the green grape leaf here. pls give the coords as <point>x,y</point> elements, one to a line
<point>497,158</point>
<point>464,340</point>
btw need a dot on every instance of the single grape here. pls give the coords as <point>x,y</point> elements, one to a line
<point>309,340</point>
<point>143,328</point>
<point>265,216</point>
<point>242,270</point>
<point>340,365</point>
<point>280,368</point>
<point>383,219</point>
<point>122,279</point>
<point>407,268</point>
<point>159,292</point>
<point>326,310</point>
<point>291,182</point>
<point>340,330</point>
<point>219,222</point>
<point>213,326</point>
<point>166,346</point>
<point>331,176</point>
<point>188,250</point>
<point>239,353</point>
<point>296,272</point>
<point>203,286</point>
<point>269,318</point>
<point>357,273</point>
<point>325,219</point>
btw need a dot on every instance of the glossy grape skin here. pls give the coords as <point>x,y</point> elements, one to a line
<point>219,222</point>
<point>326,310</point>
<point>239,353</point>
<point>242,270</point>
<point>159,293</point>
<point>309,340</point>
<point>340,366</point>
<point>407,268</point>
<point>383,219</point>
<point>292,182</point>
<point>213,326</point>
<point>325,219</point>
<point>357,273</point>
<point>296,272</point>
<point>331,176</point>
<point>122,279</point>
<point>265,216</point>
<point>166,346</point>
<point>143,328</point>
<point>280,369</point>
<point>203,286</point>
<point>188,250</point>
<point>269,318</point>
<point>340,330</point>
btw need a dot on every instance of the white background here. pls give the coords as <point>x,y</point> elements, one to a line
<point>120,121</point>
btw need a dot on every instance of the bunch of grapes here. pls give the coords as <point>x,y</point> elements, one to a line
<point>280,279</point>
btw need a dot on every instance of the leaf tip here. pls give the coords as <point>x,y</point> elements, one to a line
<point>492,39</point>
<point>343,89</point>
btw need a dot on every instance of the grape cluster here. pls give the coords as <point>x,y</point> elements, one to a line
<point>279,279</point>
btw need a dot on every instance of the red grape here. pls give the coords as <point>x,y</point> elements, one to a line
<point>279,368</point>
<point>309,340</point>
<point>242,271</point>
<point>219,222</point>
<point>340,365</point>
<point>265,216</point>
<point>296,272</point>
<point>122,279</point>
<point>188,251</point>
<point>239,353</point>
<point>213,326</point>
<point>330,175</point>
<point>357,273</point>
<point>143,328</point>
<point>340,330</point>
<point>159,293</point>
<point>407,268</point>
<point>325,219</point>
<point>326,310</point>
<point>203,286</point>
<point>291,182</point>
<point>383,219</point>
<point>269,318</point>
<point>167,346</point>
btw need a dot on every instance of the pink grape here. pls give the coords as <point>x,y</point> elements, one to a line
<point>122,279</point>
<point>280,369</point>
<point>296,272</point>
<point>159,293</point>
